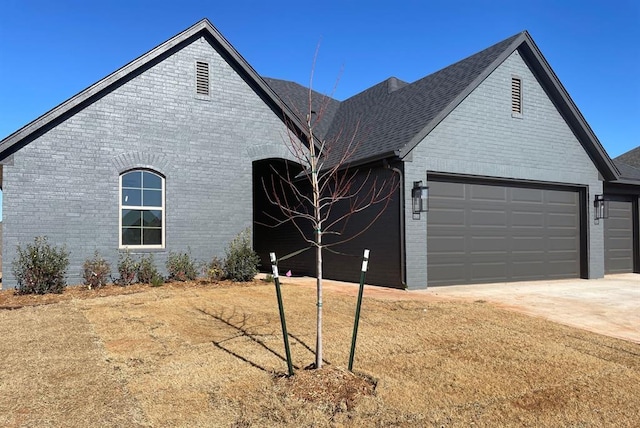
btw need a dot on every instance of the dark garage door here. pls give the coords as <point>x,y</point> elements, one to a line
<point>492,233</point>
<point>618,237</point>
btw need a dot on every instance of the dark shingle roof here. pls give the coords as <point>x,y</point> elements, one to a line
<point>632,158</point>
<point>296,97</point>
<point>627,171</point>
<point>390,115</point>
<point>386,118</point>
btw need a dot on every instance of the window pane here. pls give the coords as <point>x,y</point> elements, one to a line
<point>152,218</point>
<point>132,197</point>
<point>152,181</point>
<point>152,236</point>
<point>131,236</point>
<point>131,218</point>
<point>142,227</point>
<point>152,198</point>
<point>132,179</point>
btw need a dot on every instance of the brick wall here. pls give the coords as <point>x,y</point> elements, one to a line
<point>64,184</point>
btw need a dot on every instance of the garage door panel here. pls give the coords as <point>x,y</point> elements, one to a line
<point>559,243</point>
<point>488,271</point>
<point>448,191</point>
<point>480,218</point>
<point>557,269</point>
<point>448,245</point>
<point>523,271</point>
<point>528,244</point>
<point>529,196</point>
<point>444,274</point>
<point>508,233</point>
<point>447,217</point>
<point>620,246</point>
<point>618,237</point>
<point>559,198</point>
<point>527,219</point>
<point>563,220</point>
<point>488,193</point>
<point>484,244</point>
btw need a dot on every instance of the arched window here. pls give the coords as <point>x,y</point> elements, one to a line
<point>141,209</point>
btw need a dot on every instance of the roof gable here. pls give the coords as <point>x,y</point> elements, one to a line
<point>203,28</point>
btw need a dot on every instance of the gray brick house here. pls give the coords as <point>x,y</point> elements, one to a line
<point>164,154</point>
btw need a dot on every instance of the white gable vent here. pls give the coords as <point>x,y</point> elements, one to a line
<point>516,96</point>
<point>202,78</point>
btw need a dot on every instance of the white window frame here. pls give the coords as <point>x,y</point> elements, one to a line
<point>143,208</point>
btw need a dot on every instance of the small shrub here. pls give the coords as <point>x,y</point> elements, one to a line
<point>214,270</point>
<point>95,271</point>
<point>181,267</point>
<point>127,269</point>
<point>157,281</point>
<point>269,278</point>
<point>242,262</point>
<point>147,270</point>
<point>40,268</point>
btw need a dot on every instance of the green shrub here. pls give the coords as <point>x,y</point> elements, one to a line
<point>157,281</point>
<point>214,270</point>
<point>127,269</point>
<point>40,268</point>
<point>95,271</point>
<point>181,267</point>
<point>242,262</point>
<point>147,270</point>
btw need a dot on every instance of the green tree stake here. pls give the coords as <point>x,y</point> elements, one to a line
<point>287,350</point>
<point>365,263</point>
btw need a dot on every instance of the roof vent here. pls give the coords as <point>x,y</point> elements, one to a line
<point>202,78</point>
<point>516,95</point>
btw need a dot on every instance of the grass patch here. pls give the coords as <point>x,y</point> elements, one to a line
<point>194,354</point>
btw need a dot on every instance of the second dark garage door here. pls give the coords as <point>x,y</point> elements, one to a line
<point>618,237</point>
<point>478,233</point>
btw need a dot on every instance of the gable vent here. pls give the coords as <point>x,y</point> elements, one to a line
<point>516,95</point>
<point>202,78</point>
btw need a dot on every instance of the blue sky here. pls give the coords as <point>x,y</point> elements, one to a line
<point>51,50</point>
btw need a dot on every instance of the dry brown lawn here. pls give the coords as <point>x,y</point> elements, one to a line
<point>204,355</point>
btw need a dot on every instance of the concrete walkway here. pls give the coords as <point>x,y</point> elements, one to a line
<point>609,306</point>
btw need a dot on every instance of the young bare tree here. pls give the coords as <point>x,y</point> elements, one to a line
<point>320,200</point>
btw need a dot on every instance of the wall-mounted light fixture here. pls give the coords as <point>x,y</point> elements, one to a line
<point>419,199</point>
<point>601,207</point>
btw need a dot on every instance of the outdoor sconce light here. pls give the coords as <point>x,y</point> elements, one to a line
<point>420,199</point>
<point>601,207</point>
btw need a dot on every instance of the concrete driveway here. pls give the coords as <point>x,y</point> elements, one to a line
<point>609,306</point>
